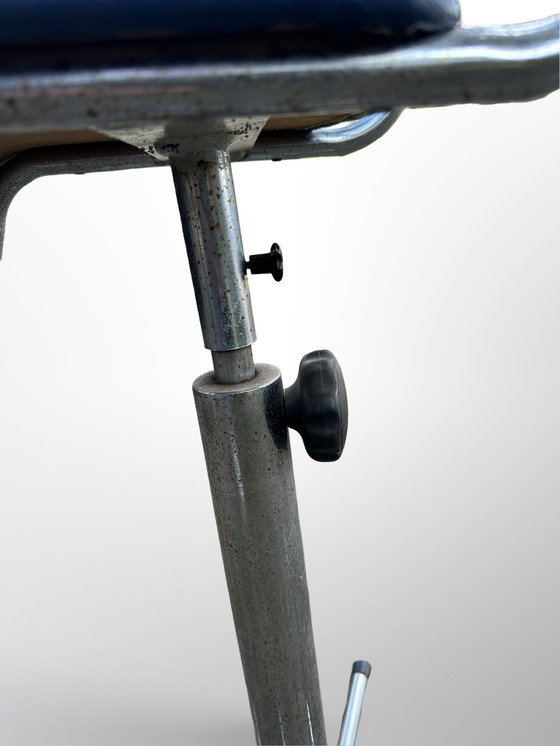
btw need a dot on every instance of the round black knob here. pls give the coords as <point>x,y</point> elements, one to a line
<point>317,406</point>
<point>267,264</point>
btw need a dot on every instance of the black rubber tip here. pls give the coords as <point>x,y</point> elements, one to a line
<point>361,667</point>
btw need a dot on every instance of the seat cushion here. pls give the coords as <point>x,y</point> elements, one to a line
<point>49,22</point>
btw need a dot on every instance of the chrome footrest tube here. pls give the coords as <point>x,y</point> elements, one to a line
<point>353,711</point>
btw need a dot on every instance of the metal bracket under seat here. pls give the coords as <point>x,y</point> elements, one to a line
<point>131,39</point>
<point>74,117</point>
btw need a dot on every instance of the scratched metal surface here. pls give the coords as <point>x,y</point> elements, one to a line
<point>465,65</point>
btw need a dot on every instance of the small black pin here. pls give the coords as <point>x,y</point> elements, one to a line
<point>267,264</point>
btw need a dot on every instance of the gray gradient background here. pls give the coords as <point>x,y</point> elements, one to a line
<point>430,265</point>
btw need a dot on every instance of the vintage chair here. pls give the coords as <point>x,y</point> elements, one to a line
<point>194,85</point>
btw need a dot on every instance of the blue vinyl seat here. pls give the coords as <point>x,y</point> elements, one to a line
<point>53,22</point>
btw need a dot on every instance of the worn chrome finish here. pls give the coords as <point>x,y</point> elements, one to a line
<point>466,65</point>
<point>64,159</point>
<point>354,703</point>
<point>233,366</point>
<point>248,457</point>
<point>180,140</point>
<point>206,197</point>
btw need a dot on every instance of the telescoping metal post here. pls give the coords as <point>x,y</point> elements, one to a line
<point>240,409</point>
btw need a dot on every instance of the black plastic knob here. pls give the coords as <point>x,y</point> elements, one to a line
<point>317,406</point>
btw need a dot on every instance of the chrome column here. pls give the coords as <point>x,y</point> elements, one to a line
<point>206,197</point>
<point>242,421</point>
<point>249,464</point>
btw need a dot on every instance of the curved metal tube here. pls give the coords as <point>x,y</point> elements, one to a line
<point>25,167</point>
<point>493,64</point>
<point>335,139</point>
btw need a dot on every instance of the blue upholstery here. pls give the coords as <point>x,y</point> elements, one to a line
<point>50,22</point>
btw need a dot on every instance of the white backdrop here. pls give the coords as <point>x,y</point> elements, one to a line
<point>429,263</point>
